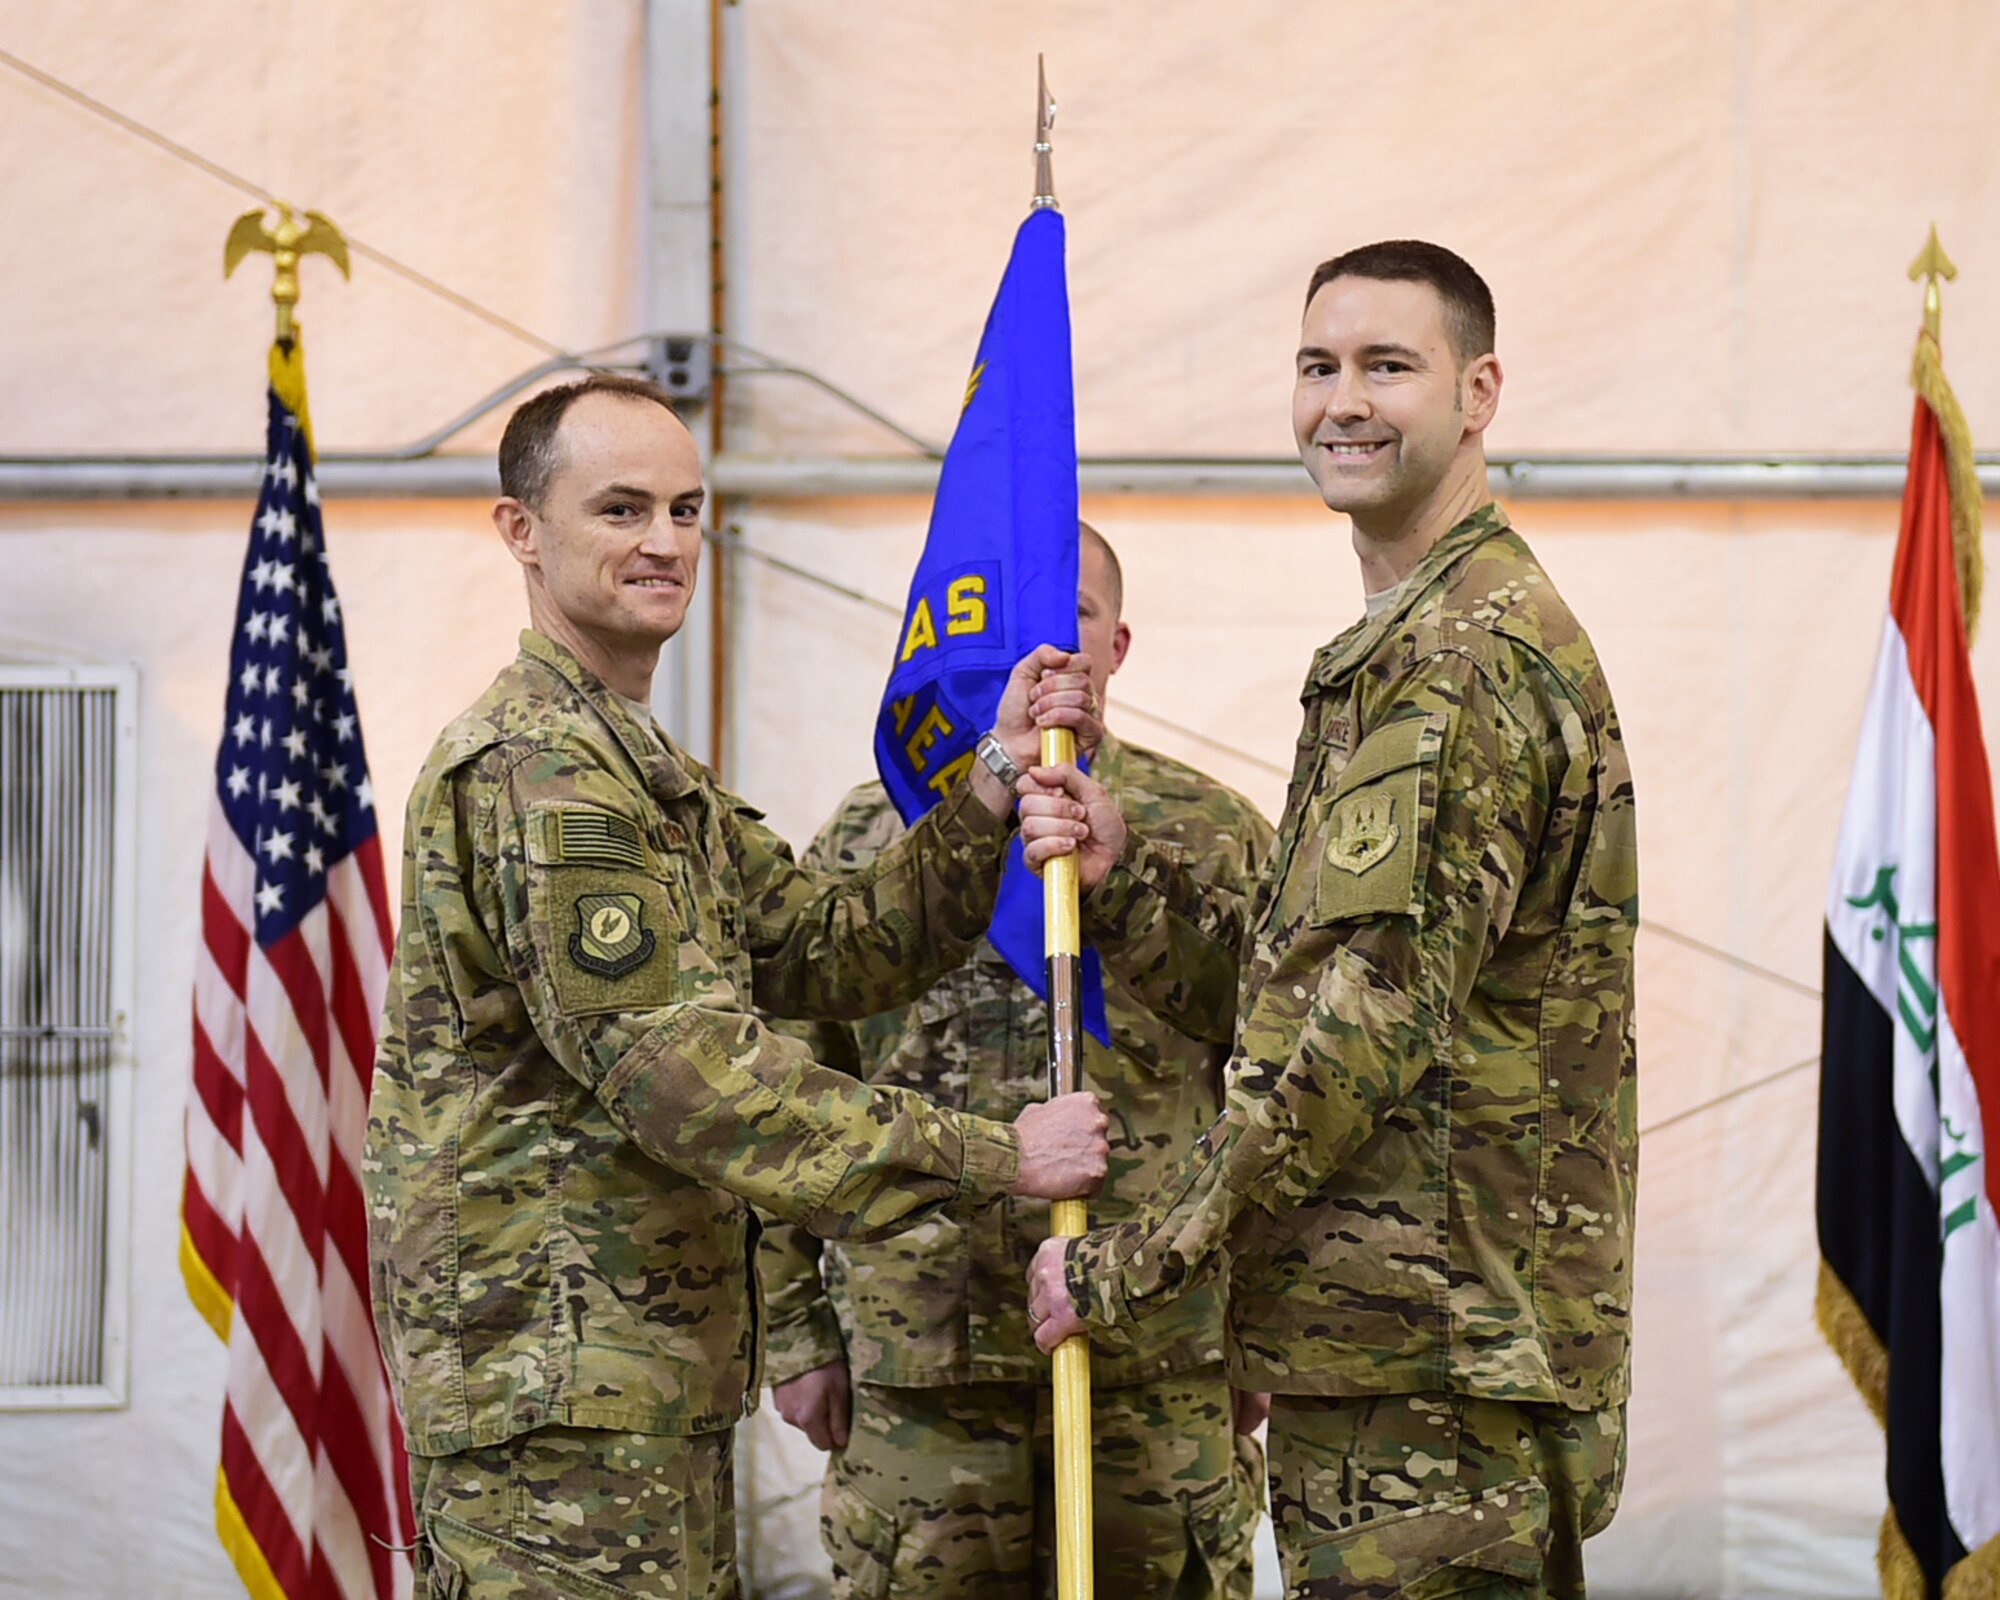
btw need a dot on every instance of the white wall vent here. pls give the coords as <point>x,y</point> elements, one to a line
<point>68,805</point>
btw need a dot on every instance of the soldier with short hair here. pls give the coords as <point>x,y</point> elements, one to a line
<point>1423,1180</point>
<point>576,1107</point>
<point>912,1359</point>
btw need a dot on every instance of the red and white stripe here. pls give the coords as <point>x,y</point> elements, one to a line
<point>312,1454</point>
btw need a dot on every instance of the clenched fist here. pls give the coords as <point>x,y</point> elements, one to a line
<point>1065,812</point>
<point>1064,1151</point>
<point>818,1404</point>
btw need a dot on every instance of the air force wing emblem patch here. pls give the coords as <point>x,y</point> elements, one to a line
<point>1364,832</point>
<point>611,935</point>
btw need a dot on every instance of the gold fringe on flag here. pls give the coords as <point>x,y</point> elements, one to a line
<point>1896,1562</point>
<point>1961,474</point>
<point>209,1297</point>
<point>1977,1577</point>
<point>245,1554</point>
<point>288,378</point>
<point>1853,1340</point>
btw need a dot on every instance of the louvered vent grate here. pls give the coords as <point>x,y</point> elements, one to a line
<point>64,1070</point>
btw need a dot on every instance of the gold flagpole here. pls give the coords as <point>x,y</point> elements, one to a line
<point>1063,951</point>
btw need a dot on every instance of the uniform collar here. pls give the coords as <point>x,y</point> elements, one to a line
<point>1107,759</point>
<point>665,766</point>
<point>1336,659</point>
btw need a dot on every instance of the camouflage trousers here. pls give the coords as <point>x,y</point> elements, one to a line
<point>1424,1496</point>
<point>578,1512</point>
<point>949,1492</point>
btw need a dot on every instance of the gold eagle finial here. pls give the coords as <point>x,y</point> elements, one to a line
<point>285,244</point>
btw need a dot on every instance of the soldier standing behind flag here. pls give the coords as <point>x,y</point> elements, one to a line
<point>940,1482</point>
<point>1423,1181</point>
<point>574,1106</point>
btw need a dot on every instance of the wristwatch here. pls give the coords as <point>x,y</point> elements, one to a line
<point>994,755</point>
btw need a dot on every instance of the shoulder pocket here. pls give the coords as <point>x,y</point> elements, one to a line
<point>1374,842</point>
<point>606,922</point>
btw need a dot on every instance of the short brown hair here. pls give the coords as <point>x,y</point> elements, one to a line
<point>1086,534</point>
<point>1468,303</point>
<point>529,449</point>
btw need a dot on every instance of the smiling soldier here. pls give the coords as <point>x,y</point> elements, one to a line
<point>1423,1178</point>
<point>575,1107</point>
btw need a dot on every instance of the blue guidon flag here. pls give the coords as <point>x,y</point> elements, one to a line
<point>997,576</point>
<point>1909,1291</point>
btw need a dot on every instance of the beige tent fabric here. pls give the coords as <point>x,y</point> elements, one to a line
<point>1695,218</point>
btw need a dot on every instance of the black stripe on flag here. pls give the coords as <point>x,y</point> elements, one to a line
<point>1878,1230</point>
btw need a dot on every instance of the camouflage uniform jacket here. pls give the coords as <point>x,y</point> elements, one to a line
<point>574,1106</point>
<point>1424,1174</point>
<point>944,1303</point>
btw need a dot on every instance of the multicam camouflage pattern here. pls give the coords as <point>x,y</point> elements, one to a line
<point>578,1513</point>
<point>1421,1496</point>
<point>565,1143</point>
<point>934,1497</point>
<point>1424,1176</point>
<point>944,1303</point>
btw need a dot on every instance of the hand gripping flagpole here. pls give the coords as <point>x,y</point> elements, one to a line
<point>1064,955</point>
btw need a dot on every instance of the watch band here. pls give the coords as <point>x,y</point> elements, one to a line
<point>993,756</point>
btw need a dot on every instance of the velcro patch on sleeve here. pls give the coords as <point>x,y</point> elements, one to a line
<point>589,837</point>
<point>1375,839</point>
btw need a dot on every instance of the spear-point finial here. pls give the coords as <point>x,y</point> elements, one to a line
<point>1045,120</point>
<point>1930,266</point>
<point>285,244</point>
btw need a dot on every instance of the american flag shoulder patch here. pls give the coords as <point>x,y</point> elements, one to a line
<point>599,838</point>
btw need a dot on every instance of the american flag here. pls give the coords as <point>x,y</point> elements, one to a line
<point>312,1494</point>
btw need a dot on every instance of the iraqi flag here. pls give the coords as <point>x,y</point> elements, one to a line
<point>1909,1285</point>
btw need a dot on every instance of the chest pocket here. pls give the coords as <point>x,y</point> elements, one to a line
<point>610,932</point>
<point>1373,843</point>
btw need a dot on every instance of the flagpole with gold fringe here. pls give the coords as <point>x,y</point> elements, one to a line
<point>371,1489</point>
<point>1960,466</point>
<point>1841,1319</point>
<point>1063,950</point>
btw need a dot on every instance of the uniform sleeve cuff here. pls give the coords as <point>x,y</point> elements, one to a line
<point>805,1344</point>
<point>1108,907</point>
<point>990,1162</point>
<point>962,812</point>
<point>1095,1288</point>
<point>1110,910</point>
